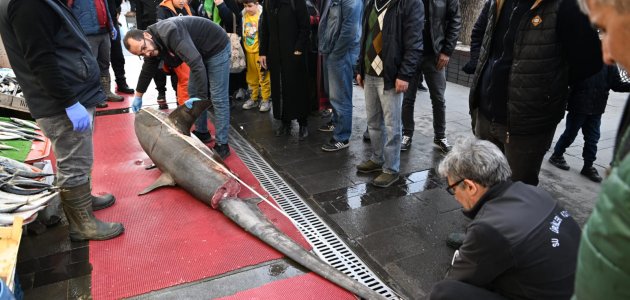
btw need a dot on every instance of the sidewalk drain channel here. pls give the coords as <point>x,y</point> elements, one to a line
<point>326,244</point>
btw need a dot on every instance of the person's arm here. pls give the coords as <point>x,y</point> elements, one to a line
<point>162,13</point>
<point>304,26</point>
<point>227,16</point>
<point>453,26</point>
<point>484,255</point>
<point>413,25</point>
<point>350,16</point>
<point>38,47</point>
<point>149,67</point>
<point>580,42</point>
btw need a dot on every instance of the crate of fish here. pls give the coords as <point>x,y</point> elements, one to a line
<point>6,100</point>
<point>9,245</point>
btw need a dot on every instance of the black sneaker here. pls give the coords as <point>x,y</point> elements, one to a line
<point>328,127</point>
<point>222,149</point>
<point>204,137</point>
<point>102,105</point>
<point>442,144</point>
<point>333,145</point>
<point>559,162</point>
<point>123,88</point>
<point>405,144</point>
<point>422,88</point>
<point>455,240</point>
<point>591,173</point>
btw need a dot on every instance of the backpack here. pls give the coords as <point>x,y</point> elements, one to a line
<point>313,12</point>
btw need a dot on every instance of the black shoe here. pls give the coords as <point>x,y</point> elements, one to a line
<point>328,127</point>
<point>284,129</point>
<point>442,144</point>
<point>591,173</point>
<point>102,201</point>
<point>333,145</point>
<point>559,162</point>
<point>422,88</point>
<point>366,136</point>
<point>455,240</point>
<point>102,105</point>
<point>123,88</point>
<point>162,103</point>
<point>303,133</point>
<point>405,144</point>
<point>222,149</point>
<point>204,137</point>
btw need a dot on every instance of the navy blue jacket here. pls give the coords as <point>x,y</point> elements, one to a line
<point>590,96</point>
<point>85,11</point>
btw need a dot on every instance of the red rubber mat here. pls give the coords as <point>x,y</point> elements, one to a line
<point>170,238</point>
<point>307,286</point>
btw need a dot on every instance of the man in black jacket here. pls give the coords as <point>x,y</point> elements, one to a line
<point>521,244</point>
<point>390,52</point>
<point>205,47</point>
<point>117,56</point>
<point>441,29</point>
<point>531,52</point>
<point>60,77</point>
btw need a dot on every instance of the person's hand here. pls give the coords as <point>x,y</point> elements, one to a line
<point>297,53</point>
<point>469,67</point>
<point>189,102</point>
<point>114,33</point>
<point>359,80</point>
<point>401,86</point>
<point>218,2</point>
<point>263,61</point>
<point>442,61</point>
<point>79,117</point>
<point>136,104</point>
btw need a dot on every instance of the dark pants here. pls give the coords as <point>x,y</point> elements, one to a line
<point>436,82</point>
<point>590,129</point>
<point>524,153</point>
<point>118,59</point>
<point>456,290</point>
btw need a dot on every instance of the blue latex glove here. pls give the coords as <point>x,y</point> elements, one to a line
<point>136,104</point>
<point>114,33</point>
<point>79,117</point>
<point>189,102</point>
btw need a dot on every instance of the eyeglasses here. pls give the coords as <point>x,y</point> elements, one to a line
<point>451,188</point>
<point>143,48</point>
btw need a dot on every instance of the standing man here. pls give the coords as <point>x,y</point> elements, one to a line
<point>339,33</point>
<point>391,48</point>
<point>205,47</point>
<point>605,247</point>
<point>531,52</point>
<point>117,56</point>
<point>98,26</point>
<point>442,23</point>
<point>520,244</point>
<point>52,60</point>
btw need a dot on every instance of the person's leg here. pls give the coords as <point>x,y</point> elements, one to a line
<point>118,65</point>
<point>264,80</point>
<point>525,155</point>
<point>95,42</point>
<point>436,82</point>
<point>373,87</point>
<point>183,72</point>
<point>340,95</point>
<point>252,79</point>
<point>408,103</point>
<point>218,68</point>
<point>391,103</point>
<point>574,122</point>
<point>492,132</point>
<point>160,85</point>
<point>590,129</point>
<point>201,124</point>
<point>103,63</point>
<point>450,289</point>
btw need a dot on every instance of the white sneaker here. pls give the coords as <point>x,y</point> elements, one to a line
<point>265,106</point>
<point>250,104</point>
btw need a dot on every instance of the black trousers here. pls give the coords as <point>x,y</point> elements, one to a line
<point>456,290</point>
<point>118,59</point>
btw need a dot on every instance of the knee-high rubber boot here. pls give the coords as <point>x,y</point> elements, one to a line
<point>106,84</point>
<point>77,204</point>
<point>102,201</point>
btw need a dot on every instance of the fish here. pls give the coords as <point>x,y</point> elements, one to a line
<point>188,163</point>
<point>7,218</point>
<point>8,198</point>
<point>8,125</point>
<point>25,123</point>
<point>29,183</point>
<point>41,201</point>
<point>7,136</point>
<point>6,147</point>
<point>13,189</point>
<point>11,207</point>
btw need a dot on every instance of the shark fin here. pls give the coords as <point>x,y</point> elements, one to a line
<point>164,180</point>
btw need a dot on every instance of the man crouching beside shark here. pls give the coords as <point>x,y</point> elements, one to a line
<point>205,47</point>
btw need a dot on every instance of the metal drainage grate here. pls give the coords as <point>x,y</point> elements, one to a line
<point>326,244</point>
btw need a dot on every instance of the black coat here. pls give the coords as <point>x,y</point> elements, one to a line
<point>521,244</point>
<point>591,95</point>
<point>445,23</point>
<point>284,29</point>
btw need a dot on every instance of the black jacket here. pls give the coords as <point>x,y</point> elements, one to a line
<point>529,56</point>
<point>476,38</point>
<point>521,244</point>
<point>445,24</point>
<point>229,11</point>
<point>402,40</point>
<point>191,39</point>
<point>50,57</point>
<point>590,96</point>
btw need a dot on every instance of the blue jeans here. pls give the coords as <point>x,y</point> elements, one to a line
<point>74,150</point>
<point>590,128</point>
<point>383,109</point>
<point>218,68</point>
<point>338,83</point>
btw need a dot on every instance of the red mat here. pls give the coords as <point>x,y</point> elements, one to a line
<point>307,286</point>
<point>170,238</point>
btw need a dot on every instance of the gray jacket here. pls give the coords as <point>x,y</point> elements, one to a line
<point>340,27</point>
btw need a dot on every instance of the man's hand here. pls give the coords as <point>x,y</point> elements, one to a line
<point>359,80</point>
<point>136,105</point>
<point>79,117</point>
<point>218,2</point>
<point>263,61</point>
<point>401,86</point>
<point>442,61</point>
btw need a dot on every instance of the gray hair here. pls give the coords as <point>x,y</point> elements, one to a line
<point>621,6</point>
<point>478,160</point>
